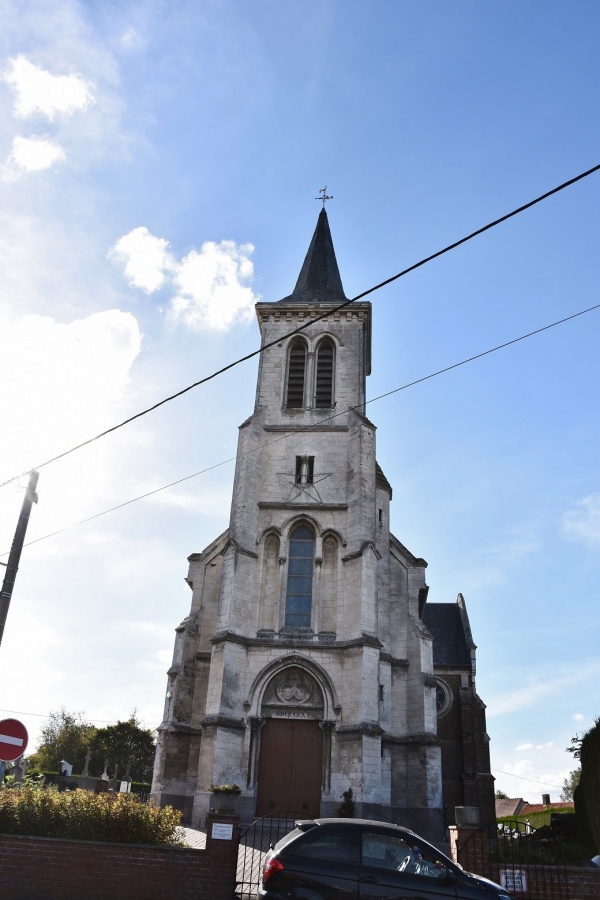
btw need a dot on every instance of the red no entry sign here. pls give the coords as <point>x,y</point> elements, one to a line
<point>13,739</point>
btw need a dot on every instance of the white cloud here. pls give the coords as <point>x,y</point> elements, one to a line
<point>213,293</point>
<point>39,92</point>
<point>525,747</point>
<point>540,686</point>
<point>578,717</point>
<point>582,523</point>
<point>64,380</point>
<point>523,779</point>
<point>212,290</point>
<point>131,39</point>
<point>199,500</point>
<point>33,154</point>
<point>146,257</point>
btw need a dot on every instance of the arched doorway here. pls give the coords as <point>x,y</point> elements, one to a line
<point>290,765</point>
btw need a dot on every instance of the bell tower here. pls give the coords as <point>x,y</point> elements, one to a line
<point>304,667</point>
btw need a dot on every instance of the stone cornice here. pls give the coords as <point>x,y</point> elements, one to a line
<point>238,549</point>
<point>370,729</point>
<point>320,506</point>
<point>177,728</point>
<point>223,722</point>
<point>311,428</point>
<point>367,545</point>
<point>298,641</point>
<point>425,740</point>
<point>394,661</point>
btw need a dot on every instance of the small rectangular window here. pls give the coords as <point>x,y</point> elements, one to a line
<point>305,469</point>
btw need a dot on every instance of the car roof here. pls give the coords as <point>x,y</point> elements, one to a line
<point>345,822</point>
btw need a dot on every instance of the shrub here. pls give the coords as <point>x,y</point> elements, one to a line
<point>226,789</point>
<point>86,816</point>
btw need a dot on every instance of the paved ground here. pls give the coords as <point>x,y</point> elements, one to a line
<point>194,837</point>
<point>250,860</point>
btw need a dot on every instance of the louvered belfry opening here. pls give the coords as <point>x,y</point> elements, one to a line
<point>296,372</point>
<point>324,383</point>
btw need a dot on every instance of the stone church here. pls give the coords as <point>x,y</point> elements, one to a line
<point>311,661</point>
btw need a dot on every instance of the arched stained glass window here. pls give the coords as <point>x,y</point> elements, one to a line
<point>296,374</point>
<point>324,379</point>
<point>301,557</point>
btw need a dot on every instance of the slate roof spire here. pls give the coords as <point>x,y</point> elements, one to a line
<point>319,279</point>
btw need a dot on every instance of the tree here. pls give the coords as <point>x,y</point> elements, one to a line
<point>126,746</point>
<point>500,795</point>
<point>64,736</point>
<point>587,793</point>
<point>569,785</point>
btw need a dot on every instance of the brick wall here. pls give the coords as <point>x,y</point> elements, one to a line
<point>34,868</point>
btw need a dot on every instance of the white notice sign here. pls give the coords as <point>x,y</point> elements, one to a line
<point>514,880</point>
<point>221,831</point>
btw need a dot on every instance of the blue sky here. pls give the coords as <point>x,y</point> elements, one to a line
<point>158,169</point>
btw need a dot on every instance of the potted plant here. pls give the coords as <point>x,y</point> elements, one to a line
<point>223,797</point>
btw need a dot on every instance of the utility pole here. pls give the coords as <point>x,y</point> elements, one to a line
<point>12,566</point>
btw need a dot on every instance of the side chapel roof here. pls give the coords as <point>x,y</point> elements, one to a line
<point>319,280</point>
<point>452,641</point>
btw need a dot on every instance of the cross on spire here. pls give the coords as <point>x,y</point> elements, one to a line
<point>324,196</point>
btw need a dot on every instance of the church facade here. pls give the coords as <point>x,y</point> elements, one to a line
<point>305,666</point>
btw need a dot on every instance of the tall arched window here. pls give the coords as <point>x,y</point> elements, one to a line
<point>324,377</point>
<point>295,376</point>
<point>301,560</point>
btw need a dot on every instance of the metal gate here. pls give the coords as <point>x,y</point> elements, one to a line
<point>255,841</point>
<point>528,862</point>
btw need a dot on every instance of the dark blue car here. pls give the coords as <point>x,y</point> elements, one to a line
<point>355,859</point>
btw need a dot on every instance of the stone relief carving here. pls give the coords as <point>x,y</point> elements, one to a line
<point>293,687</point>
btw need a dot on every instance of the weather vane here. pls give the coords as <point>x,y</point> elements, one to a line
<point>324,196</point>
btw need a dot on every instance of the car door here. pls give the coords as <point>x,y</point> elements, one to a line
<point>394,868</point>
<point>323,865</point>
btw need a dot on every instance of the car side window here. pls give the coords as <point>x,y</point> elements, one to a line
<point>330,844</point>
<point>385,851</point>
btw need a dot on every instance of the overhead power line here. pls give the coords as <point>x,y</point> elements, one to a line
<point>20,712</point>
<point>523,778</point>
<point>335,415</point>
<point>305,325</point>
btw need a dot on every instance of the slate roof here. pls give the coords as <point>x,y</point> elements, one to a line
<point>381,480</point>
<point>451,640</point>
<point>319,280</point>
<point>509,807</point>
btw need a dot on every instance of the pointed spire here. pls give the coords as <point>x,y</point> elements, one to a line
<point>319,280</point>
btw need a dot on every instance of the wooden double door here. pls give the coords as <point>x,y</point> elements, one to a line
<point>290,768</point>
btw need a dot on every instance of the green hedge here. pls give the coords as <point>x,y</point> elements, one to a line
<point>536,819</point>
<point>587,793</point>
<point>86,816</point>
